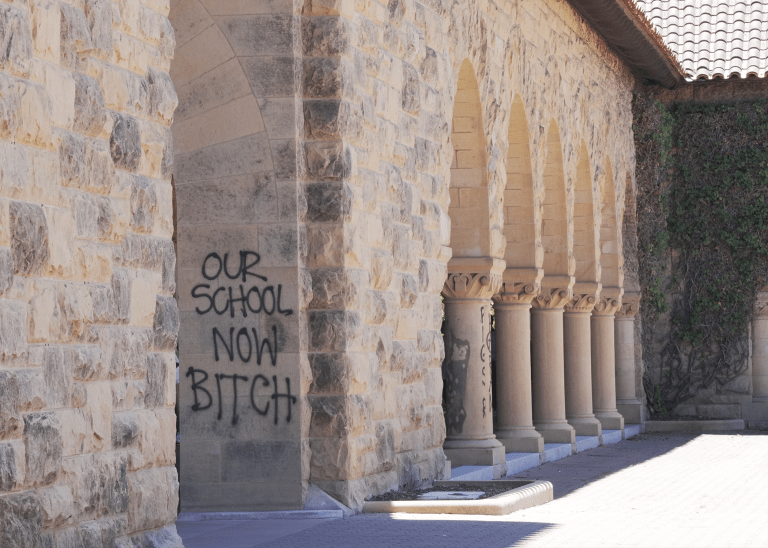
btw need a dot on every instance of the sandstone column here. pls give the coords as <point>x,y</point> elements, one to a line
<point>627,403</point>
<point>604,360</point>
<point>760,350</point>
<point>513,367</point>
<point>578,360</point>
<point>547,371</point>
<point>467,369</point>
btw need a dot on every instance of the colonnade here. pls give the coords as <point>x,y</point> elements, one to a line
<point>564,361</point>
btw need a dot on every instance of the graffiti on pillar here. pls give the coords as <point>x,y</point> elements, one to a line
<point>455,374</point>
<point>485,357</point>
<point>240,292</point>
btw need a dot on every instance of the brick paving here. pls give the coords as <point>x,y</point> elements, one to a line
<point>655,490</point>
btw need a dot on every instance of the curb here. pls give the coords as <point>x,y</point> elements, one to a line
<point>249,516</point>
<point>534,494</point>
<point>694,426</point>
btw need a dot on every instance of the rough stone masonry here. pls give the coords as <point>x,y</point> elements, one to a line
<point>88,322</point>
<point>335,160</point>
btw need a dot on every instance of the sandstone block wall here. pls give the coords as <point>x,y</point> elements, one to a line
<point>243,360</point>
<point>88,322</point>
<point>380,85</point>
<point>320,135</point>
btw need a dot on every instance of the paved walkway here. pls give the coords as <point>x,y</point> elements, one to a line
<point>655,490</point>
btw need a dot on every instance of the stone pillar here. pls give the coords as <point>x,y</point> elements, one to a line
<point>604,360</point>
<point>467,369</point>
<point>547,370</point>
<point>627,403</point>
<point>578,360</point>
<point>514,427</point>
<point>760,349</point>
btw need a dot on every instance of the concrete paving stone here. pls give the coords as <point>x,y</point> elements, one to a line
<point>632,430</point>
<point>472,473</point>
<point>518,462</point>
<point>557,451</point>
<point>677,490</point>
<point>611,436</point>
<point>586,442</point>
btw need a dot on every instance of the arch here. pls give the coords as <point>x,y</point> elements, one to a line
<point>522,209</point>
<point>469,211</point>
<point>610,258</point>
<point>586,236</point>
<point>555,236</point>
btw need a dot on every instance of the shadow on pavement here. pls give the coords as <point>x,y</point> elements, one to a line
<point>390,531</point>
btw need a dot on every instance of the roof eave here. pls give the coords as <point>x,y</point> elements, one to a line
<point>627,31</point>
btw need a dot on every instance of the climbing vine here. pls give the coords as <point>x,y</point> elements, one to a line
<point>703,241</point>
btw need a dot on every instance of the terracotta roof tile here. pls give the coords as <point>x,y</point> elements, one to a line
<point>713,38</point>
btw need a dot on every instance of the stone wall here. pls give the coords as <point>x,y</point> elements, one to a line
<point>88,322</point>
<point>380,83</point>
<point>322,136</point>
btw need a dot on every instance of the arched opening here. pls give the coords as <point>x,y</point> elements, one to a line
<point>586,250</point>
<point>610,256</point>
<point>522,208</point>
<point>473,278</point>
<point>470,234</point>
<point>556,239</point>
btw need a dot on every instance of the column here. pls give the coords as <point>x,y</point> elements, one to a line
<point>627,403</point>
<point>604,360</point>
<point>578,360</point>
<point>760,350</point>
<point>467,370</point>
<point>512,308</point>
<point>547,370</point>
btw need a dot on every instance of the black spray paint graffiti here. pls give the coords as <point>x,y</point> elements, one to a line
<point>200,377</point>
<point>455,374</point>
<point>485,352</point>
<point>245,343</point>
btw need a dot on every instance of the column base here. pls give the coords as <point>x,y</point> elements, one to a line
<point>631,410</point>
<point>521,441</point>
<point>586,426</point>
<point>610,420</point>
<point>479,456</point>
<point>556,432</point>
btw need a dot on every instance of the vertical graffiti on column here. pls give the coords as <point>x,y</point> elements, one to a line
<point>246,345</point>
<point>457,353</point>
<point>483,354</point>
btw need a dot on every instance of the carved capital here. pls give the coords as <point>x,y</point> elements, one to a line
<point>606,306</point>
<point>471,285</point>
<point>581,303</point>
<point>761,309</point>
<point>517,293</point>
<point>553,298</point>
<point>630,306</point>
<point>585,297</point>
<point>609,302</point>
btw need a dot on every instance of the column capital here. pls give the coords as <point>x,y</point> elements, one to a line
<point>585,297</point>
<point>630,305</point>
<point>473,278</point>
<point>609,303</point>
<point>519,286</point>
<point>556,292</point>
<point>761,304</point>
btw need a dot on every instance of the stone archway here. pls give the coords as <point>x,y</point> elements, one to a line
<point>547,370</point>
<point>236,193</point>
<point>473,278</point>
<point>521,284</point>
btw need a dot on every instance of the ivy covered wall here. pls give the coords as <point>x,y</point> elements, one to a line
<point>702,247</point>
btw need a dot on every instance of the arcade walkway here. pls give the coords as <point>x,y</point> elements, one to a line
<point>654,490</point>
